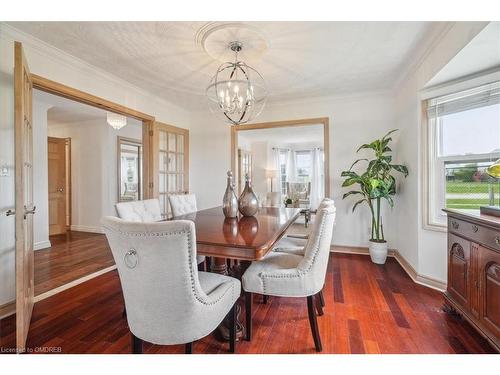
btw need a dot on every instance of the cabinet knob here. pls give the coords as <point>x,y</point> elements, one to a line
<point>474,228</point>
<point>497,240</point>
<point>454,224</point>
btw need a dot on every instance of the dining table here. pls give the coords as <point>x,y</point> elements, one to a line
<point>233,243</point>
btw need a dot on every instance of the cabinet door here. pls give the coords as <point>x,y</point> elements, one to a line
<point>489,284</point>
<point>458,269</point>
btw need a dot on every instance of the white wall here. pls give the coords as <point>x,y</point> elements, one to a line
<point>425,250</point>
<point>53,64</point>
<point>40,176</point>
<point>353,120</point>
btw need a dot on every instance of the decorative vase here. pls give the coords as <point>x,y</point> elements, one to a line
<point>378,252</point>
<point>230,201</point>
<point>248,203</point>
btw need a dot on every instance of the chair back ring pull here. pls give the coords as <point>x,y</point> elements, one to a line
<point>131,259</point>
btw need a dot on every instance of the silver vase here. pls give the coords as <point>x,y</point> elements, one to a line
<point>248,203</point>
<point>230,201</point>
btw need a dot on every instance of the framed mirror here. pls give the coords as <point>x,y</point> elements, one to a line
<point>129,169</point>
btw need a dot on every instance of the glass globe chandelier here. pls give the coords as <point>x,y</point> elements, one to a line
<point>237,91</point>
<point>115,120</point>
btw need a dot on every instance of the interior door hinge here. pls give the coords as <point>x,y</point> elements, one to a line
<point>150,185</point>
<point>150,133</point>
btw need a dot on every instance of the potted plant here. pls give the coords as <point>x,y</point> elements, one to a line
<point>375,184</point>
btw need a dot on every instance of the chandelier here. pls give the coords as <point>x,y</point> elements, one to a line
<point>237,91</point>
<point>115,120</point>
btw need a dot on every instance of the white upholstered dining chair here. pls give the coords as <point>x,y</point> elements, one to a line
<point>182,204</point>
<point>168,301</point>
<point>144,211</point>
<point>141,211</point>
<point>285,274</point>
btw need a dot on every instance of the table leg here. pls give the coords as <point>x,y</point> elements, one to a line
<point>219,265</point>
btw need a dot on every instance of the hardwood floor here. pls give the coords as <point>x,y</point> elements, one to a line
<point>71,256</point>
<point>369,309</point>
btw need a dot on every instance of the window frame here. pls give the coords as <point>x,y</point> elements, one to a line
<point>433,176</point>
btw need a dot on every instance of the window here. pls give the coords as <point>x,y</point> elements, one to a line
<point>463,139</point>
<point>283,157</point>
<point>303,166</point>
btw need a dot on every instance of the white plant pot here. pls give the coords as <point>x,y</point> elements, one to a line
<point>378,252</point>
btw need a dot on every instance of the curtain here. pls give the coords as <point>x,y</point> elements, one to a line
<point>317,177</point>
<point>290,166</point>
<point>277,166</point>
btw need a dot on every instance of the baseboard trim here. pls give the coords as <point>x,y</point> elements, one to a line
<point>86,228</point>
<point>41,245</point>
<point>73,283</point>
<point>7,309</point>
<point>407,267</point>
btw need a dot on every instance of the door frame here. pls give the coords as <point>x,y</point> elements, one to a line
<point>148,121</point>
<point>281,124</point>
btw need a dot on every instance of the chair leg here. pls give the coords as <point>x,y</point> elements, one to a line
<point>265,298</point>
<point>248,313</point>
<point>232,329</point>
<point>189,348</point>
<point>207,264</point>
<point>321,298</point>
<point>313,323</point>
<point>319,306</point>
<point>136,344</point>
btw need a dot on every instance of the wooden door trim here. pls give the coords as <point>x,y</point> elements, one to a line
<point>325,121</point>
<point>59,89</point>
<point>69,191</point>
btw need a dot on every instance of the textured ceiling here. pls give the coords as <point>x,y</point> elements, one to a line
<point>297,59</point>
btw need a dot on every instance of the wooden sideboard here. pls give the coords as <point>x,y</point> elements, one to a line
<point>474,271</point>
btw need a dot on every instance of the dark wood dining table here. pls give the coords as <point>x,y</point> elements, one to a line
<point>240,240</point>
<point>244,238</point>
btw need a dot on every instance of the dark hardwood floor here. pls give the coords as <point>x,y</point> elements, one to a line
<point>71,256</point>
<point>369,309</point>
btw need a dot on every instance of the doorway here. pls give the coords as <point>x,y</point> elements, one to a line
<point>91,164</point>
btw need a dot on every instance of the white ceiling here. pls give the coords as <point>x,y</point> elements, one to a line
<point>481,54</point>
<point>65,111</point>
<point>175,60</point>
<point>285,135</point>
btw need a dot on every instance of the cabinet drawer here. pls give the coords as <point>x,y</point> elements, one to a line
<point>476,233</point>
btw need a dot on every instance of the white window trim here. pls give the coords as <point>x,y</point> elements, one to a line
<point>430,173</point>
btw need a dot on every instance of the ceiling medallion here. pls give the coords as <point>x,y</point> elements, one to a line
<point>237,91</point>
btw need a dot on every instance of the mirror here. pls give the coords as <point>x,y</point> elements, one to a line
<point>129,169</point>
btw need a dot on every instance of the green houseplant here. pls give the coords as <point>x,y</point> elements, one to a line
<point>374,184</point>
